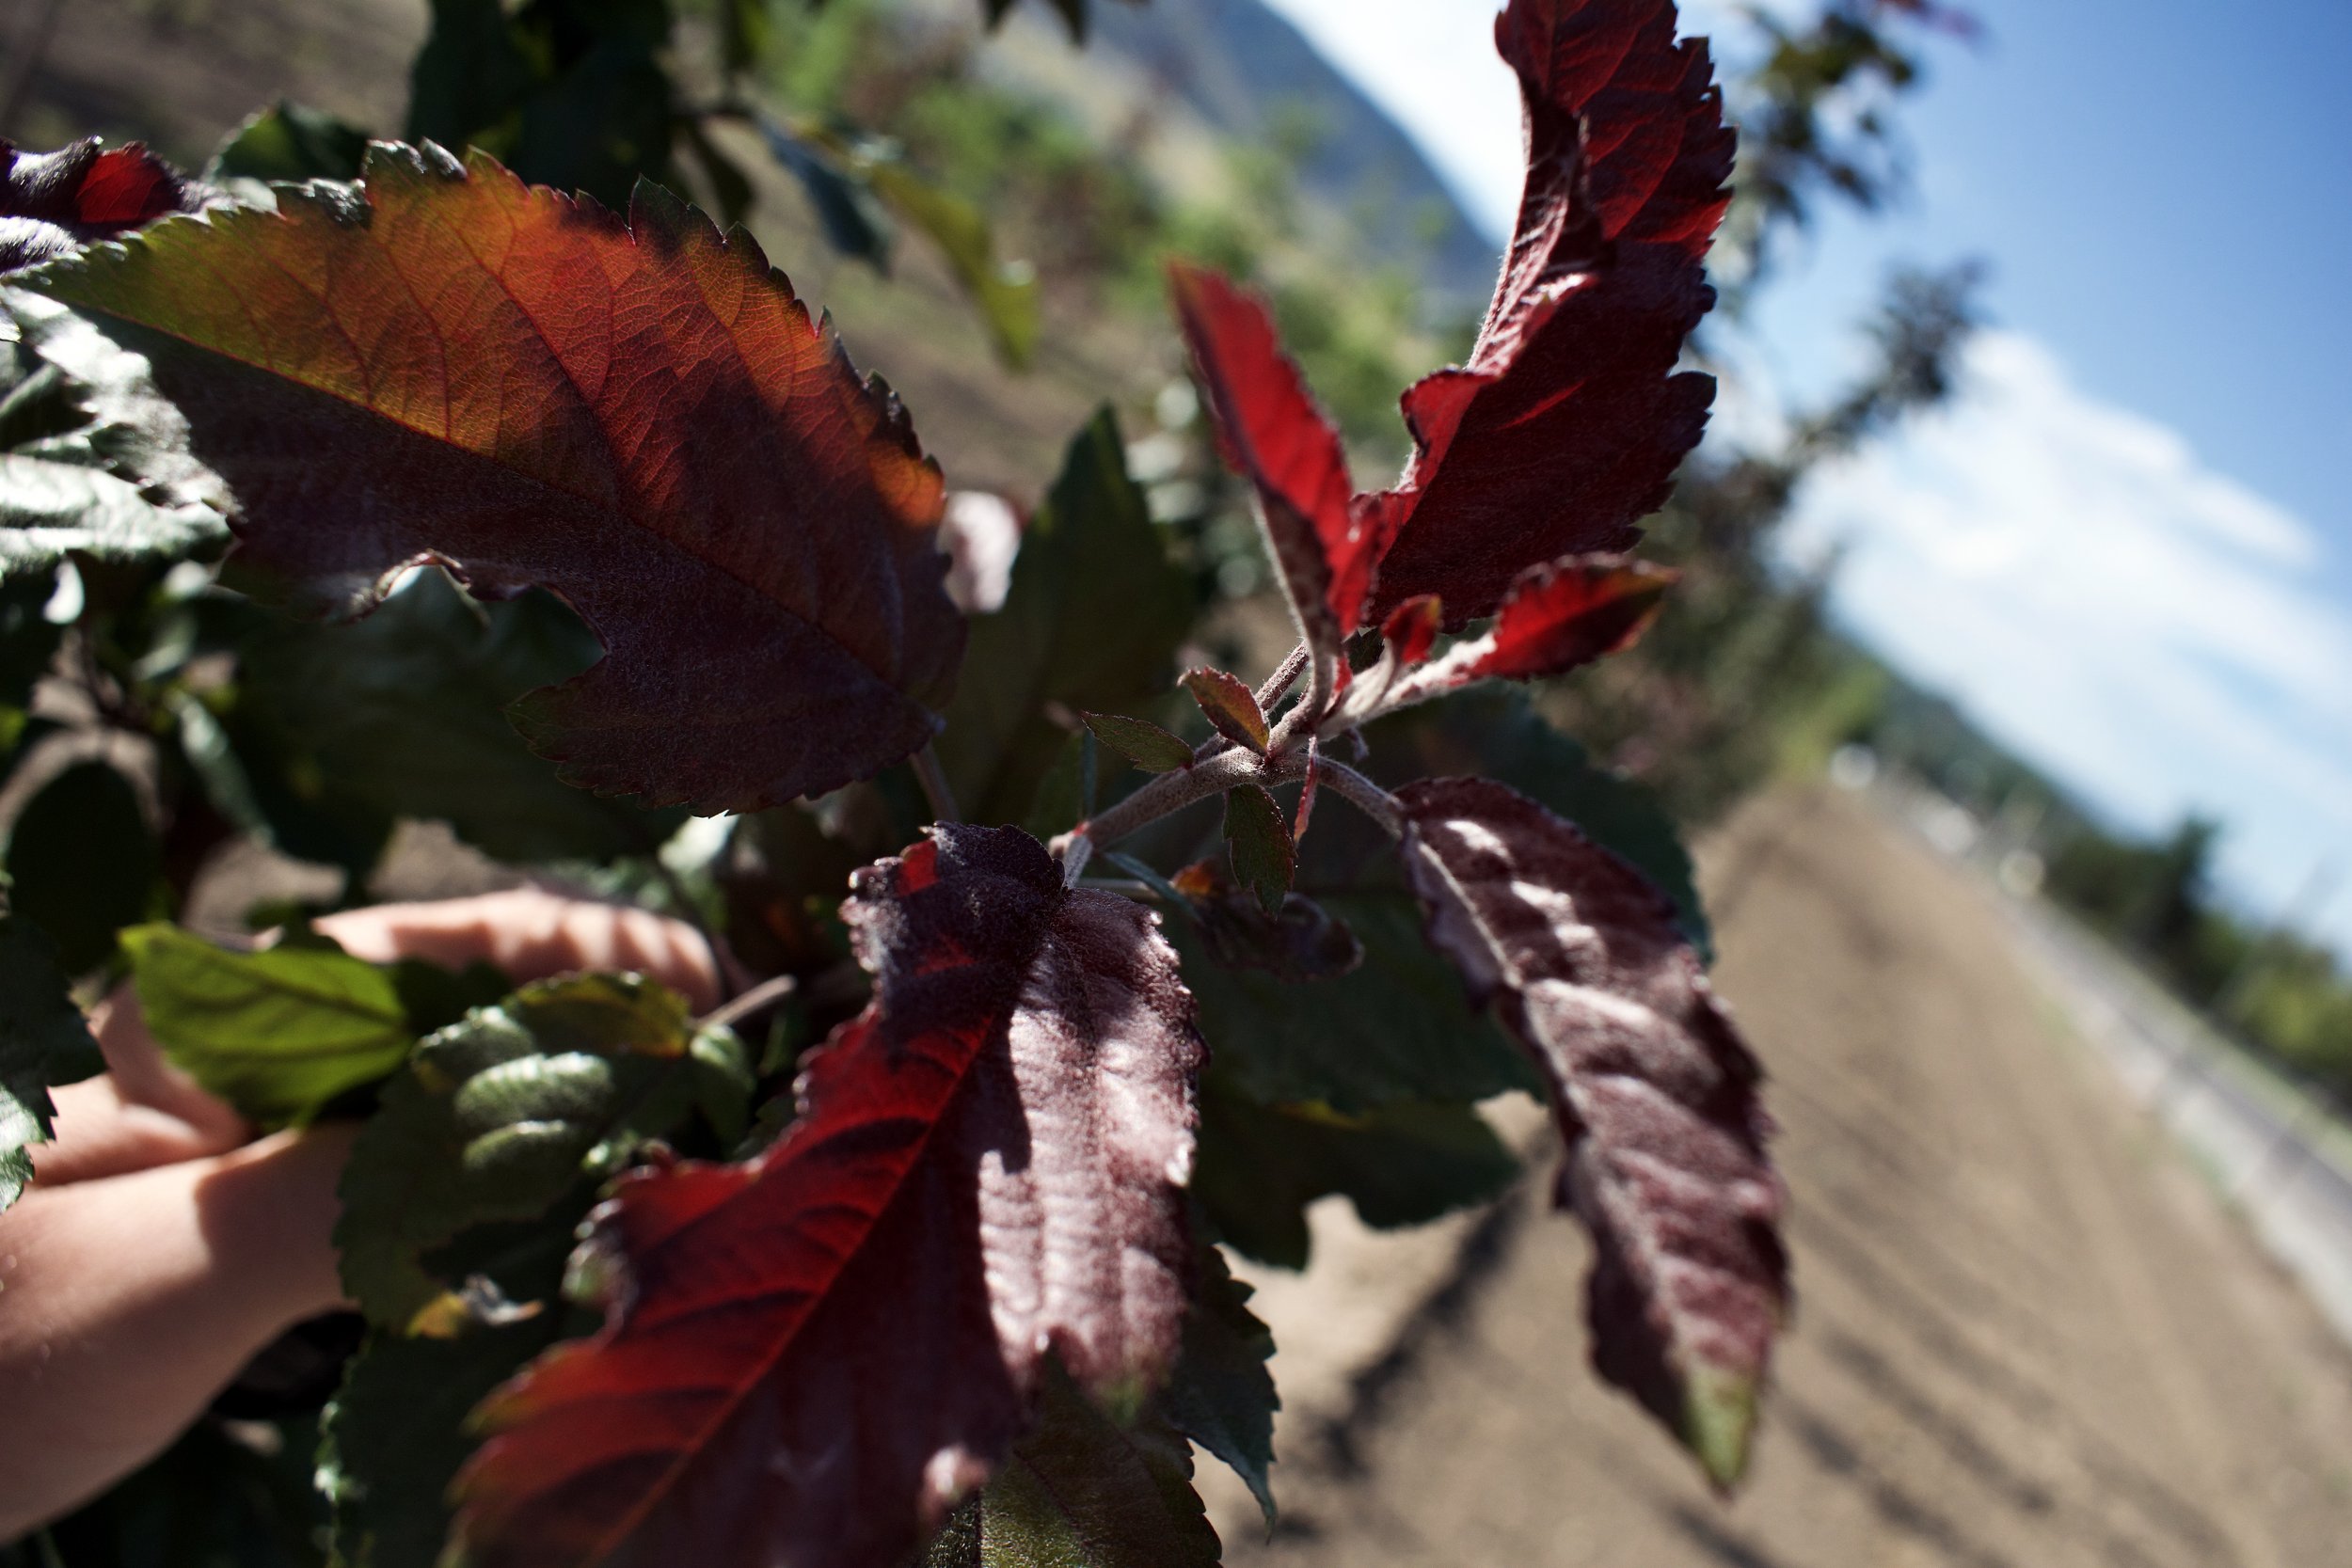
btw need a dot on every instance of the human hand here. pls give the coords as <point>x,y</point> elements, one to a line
<point>159,1249</point>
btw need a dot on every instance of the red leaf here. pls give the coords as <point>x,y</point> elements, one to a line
<point>1231,707</point>
<point>52,203</point>
<point>1568,423</point>
<point>1272,432</point>
<point>1559,615</point>
<point>1412,627</point>
<point>639,415</point>
<point>1655,1092</point>
<point>809,1357</point>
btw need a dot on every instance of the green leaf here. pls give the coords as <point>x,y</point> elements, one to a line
<point>277,1034</point>
<point>572,96</point>
<point>1082,1491</point>
<point>1222,1395</point>
<point>347,727</point>
<point>43,1043</point>
<point>92,458</point>
<point>1005,292</point>
<point>1060,801</point>
<point>1260,1165</point>
<point>1140,741</point>
<point>503,1113</point>
<point>1396,1027</point>
<point>293,142</point>
<point>1264,857</point>
<point>83,863</point>
<point>397,1430</point>
<point>1497,732</point>
<point>1091,620</point>
<point>846,208</point>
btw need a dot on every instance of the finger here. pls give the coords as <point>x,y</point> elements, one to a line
<point>532,935</point>
<point>100,1132</point>
<point>126,1305</point>
<point>139,1077</point>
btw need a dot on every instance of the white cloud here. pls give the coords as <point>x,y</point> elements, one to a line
<point>2151,630</point>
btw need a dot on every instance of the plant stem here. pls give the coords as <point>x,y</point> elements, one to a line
<point>773,989</point>
<point>1362,793</point>
<point>1280,682</point>
<point>936,789</point>
<point>1169,792</point>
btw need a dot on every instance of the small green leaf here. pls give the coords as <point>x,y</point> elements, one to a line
<point>290,141</point>
<point>1222,1395</point>
<point>1396,1027</point>
<point>346,728</point>
<point>277,1034</point>
<point>1140,741</point>
<point>82,863</point>
<point>1231,707</point>
<point>43,1043</point>
<point>1265,856</point>
<point>1091,620</point>
<point>503,1113</point>
<point>397,1430</point>
<point>1260,1165</point>
<point>1082,1491</point>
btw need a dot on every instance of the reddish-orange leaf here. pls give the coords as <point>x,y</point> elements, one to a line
<point>1569,612</point>
<point>1231,707</point>
<point>1566,424</point>
<point>639,415</point>
<point>53,203</point>
<point>1653,1089</point>
<point>809,1357</point>
<point>1272,432</point>
<point>1412,628</point>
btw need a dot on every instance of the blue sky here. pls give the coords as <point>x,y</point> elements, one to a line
<point>2127,547</point>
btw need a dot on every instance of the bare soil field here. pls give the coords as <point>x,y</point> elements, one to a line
<point>2027,1333</point>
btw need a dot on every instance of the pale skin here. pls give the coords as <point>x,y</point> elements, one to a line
<point>161,1245</point>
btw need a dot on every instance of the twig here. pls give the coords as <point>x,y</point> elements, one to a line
<point>1362,793</point>
<point>769,992</point>
<point>936,789</point>
<point>1280,682</point>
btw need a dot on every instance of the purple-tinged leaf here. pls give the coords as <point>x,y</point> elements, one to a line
<point>1565,426</point>
<point>1140,741</point>
<point>1581,959</point>
<point>1265,856</point>
<point>451,365</point>
<point>1231,707</point>
<point>810,1356</point>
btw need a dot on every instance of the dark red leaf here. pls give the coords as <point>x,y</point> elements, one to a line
<point>1655,1092</point>
<point>53,203</point>
<point>1272,432</point>
<point>808,1358</point>
<point>1231,707</point>
<point>639,415</point>
<point>1566,424</point>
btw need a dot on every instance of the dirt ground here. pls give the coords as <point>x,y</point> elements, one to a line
<point>2028,1335</point>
